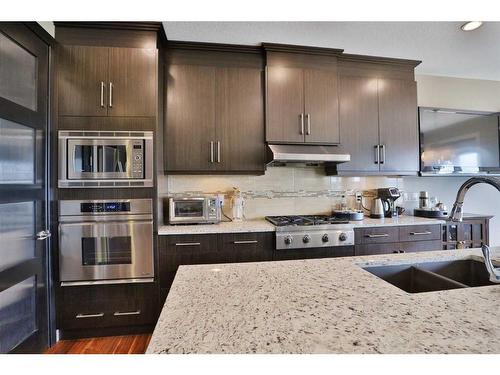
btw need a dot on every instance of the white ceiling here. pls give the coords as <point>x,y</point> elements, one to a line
<point>443,47</point>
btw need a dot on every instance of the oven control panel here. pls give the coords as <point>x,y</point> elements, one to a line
<point>137,159</point>
<point>105,207</point>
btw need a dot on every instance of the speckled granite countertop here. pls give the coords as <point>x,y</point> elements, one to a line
<point>258,225</point>
<point>323,306</point>
<point>262,225</point>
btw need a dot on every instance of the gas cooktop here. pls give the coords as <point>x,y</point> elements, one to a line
<point>304,220</point>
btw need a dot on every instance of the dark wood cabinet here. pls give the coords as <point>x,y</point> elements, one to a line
<point>178,250</point>
<point>107,81</point>
<point>83,80</point>
<point>472,232</point>
<point>246,247</point>
<point>239,120</point>
<point>301,95</point>
<point>190,118</point>
<point>80,308</point>
<point>321,106</point>
<point>214,114</point>
<point>359,123</point>
<point>398,125</point>
<point>285,105</point>
<point>378,117</point>
<point>397,239</point>
<point>133,82</point>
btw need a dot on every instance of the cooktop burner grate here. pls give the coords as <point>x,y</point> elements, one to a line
<point>304,220</point>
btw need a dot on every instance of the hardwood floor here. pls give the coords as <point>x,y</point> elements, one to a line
<point>131,344</point>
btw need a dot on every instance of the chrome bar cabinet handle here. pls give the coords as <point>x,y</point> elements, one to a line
<point>110,94</point>
<point>84,316</point>
<point>308,116</point>
<point>188,244</point>
<point>382,159</point>
<point>420,233</point>
<point>127,313</point>
<point>245,242</point>
<point>102,94</point>
<point>218,151</point>
<point>377,154</point>
<point>301,124</point>
<point>211,151</point>
<point>376,235</point>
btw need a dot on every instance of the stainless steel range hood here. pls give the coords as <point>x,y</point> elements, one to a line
<point>304,154</point>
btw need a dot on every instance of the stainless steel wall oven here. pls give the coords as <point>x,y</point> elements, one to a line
<point>105,159</point>
<point>103,241</point>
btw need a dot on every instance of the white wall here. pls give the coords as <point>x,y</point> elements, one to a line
<point>471,94</point>
<point>49,27</point>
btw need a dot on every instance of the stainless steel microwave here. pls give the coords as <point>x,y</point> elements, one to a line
<point>194,210</point>
<point>105,159</point>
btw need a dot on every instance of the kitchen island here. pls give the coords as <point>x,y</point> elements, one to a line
<point>323,306</point>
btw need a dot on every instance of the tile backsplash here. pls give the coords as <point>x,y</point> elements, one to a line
<point>281,191</point>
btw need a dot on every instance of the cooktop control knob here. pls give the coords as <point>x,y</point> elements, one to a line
<point>342,237</point>
<point>325,238</point>
<point>288,240</point>
<point>306,239</point>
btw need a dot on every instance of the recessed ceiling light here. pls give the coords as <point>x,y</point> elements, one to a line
<point>471,25</point>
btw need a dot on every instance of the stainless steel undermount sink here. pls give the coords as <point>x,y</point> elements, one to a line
<point>434,276</point>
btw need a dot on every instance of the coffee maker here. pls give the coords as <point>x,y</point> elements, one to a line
<point>388,197</point>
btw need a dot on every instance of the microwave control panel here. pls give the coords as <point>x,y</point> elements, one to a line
<point>138,159</point>
<point>212,209</point>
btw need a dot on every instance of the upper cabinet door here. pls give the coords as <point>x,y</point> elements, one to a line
<point>359,123</point>
<point>132,82</point>
<point>190,118</point>
<point>398,125</point>
<point>285,118</point>
<point>321,106</point>
<point>240,120</point>
<point>83,79</point>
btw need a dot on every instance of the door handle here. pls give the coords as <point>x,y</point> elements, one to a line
<point>382,159</point>
<point>218,151</point>
<point>377,153</point>
<point>211,151</point>
<point>308,132</point>
<point>84,316</point>
<point>43,235</point>
<point>110,94</point>
<point>245,242</point>
<point>127,313</point>
<point>301,124</point>
<point>102,94</point>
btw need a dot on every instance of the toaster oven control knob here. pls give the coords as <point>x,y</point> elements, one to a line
<point>288,240</point>
<point>306,238</point>
<point>325,238</point>
<point>342,237</point>
<point>137,157</point>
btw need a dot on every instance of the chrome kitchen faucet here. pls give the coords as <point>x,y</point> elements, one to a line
<point>456,215</point>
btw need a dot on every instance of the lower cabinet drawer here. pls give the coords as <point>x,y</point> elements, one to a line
<point>103,306</point>
<point>379,248</point>
<point>409,247</point>
<point>375,235</point>
<point>420,232</point>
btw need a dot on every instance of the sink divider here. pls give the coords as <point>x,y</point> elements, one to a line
<point>440,278</point>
